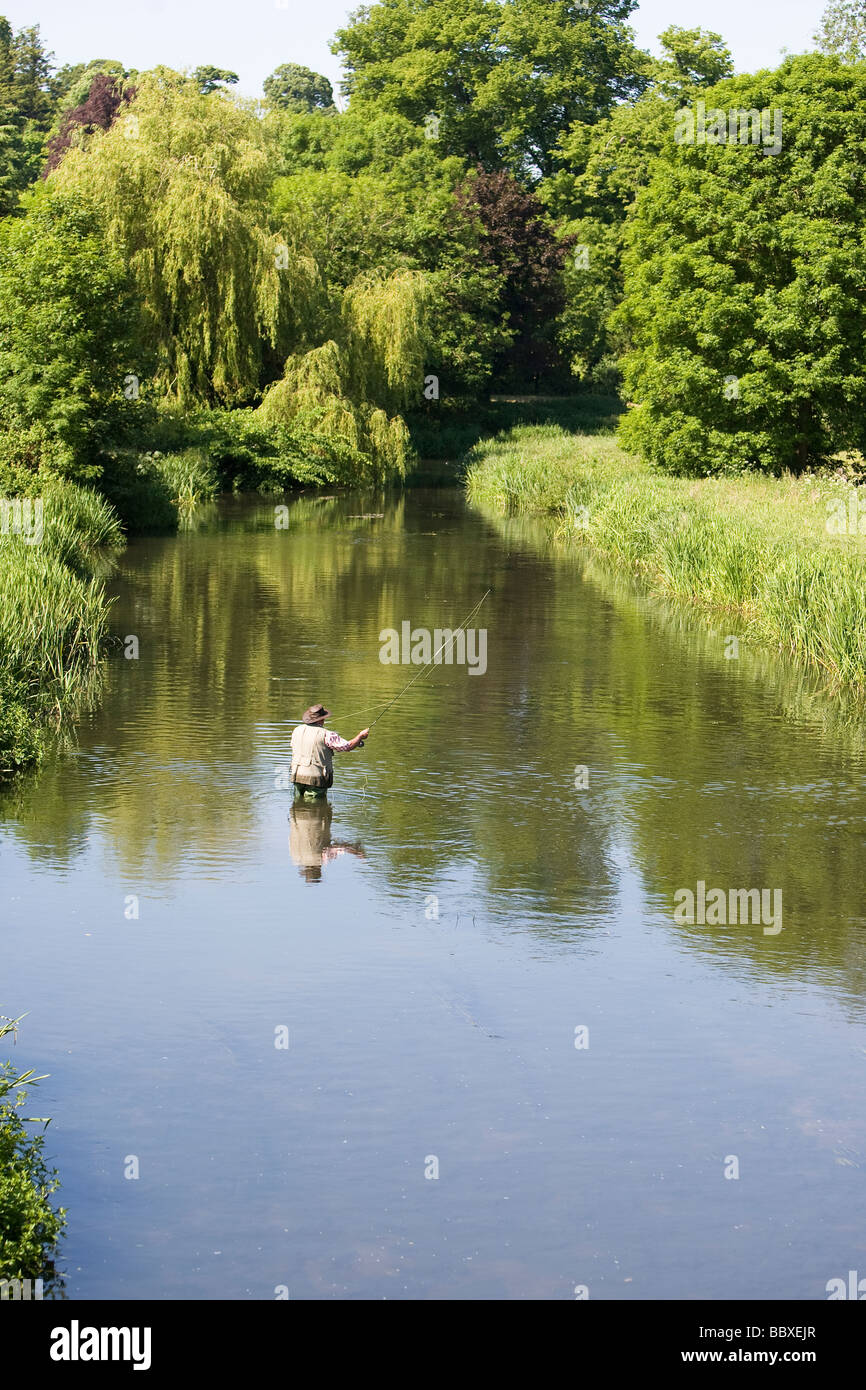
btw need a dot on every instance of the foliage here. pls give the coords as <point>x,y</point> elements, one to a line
<point>53,616</point>
<point>693,58</point>
<point>384,321</point>
<point>744,274</point>
<point>71,84</point>
<point>292,87</point>
<point>106,96</point>
<point>343,426</point>
<point>30,1226</point>
<point>451,431</point>
<point>210,79</point>
<point>504,81</point>
<point>399,213</point>
<point>26,108</point>
<point>601,169</point>
<point>185,203</point>
<point>520,245</point>
<point>67,335</point>
<point>843,30</point>
<point>270,452</point>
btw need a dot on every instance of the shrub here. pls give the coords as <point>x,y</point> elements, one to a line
<point>30,1226</point>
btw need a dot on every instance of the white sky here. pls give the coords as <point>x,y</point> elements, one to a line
<point>253,37</point>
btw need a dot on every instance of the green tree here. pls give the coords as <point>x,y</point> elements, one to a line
<point>843,30</point>
<point>693,58</point>
<point>33,77</point>
<point>601,169</point>
<point>211,79</point>
<point>374,194</point>
<point>12,153</point>
<point>26,109</point>
<point>500,82</point>
<point>71,84</point>
<point>352,388</point>
<point>234,299</point>
<point>183,192</point>
<point>292,87</point>
<point>67,337</point>
<point>744,279</point>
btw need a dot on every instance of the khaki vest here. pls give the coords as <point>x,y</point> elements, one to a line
<point>312,759</point>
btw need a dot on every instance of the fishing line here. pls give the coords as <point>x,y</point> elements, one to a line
<point>432,661</point>
<point>427,666</point>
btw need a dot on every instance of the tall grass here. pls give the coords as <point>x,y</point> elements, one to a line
<point>53,609</point>
<point>758,547</point>
<point>190,477</point>
<point>53,618</point>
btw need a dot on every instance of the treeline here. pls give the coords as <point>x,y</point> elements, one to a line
<point>281,285</point>
<point>509,201</point>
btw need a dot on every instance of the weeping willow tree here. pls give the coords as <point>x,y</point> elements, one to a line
<point>181,181</point>
<point>232,300</point>
<point>354,386</point>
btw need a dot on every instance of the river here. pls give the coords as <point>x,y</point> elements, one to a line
<point>445,1036</point>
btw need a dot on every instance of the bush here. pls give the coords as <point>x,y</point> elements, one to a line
<point>30,1226</point>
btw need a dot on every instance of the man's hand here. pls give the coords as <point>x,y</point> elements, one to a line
<point>365,733</point>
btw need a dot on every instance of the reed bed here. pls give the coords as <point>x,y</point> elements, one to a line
<point>53,617</point>
<point>756,546</point>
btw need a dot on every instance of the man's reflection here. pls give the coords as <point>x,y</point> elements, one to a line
<point>310,843</point>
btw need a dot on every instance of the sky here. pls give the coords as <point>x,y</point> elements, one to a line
<point>254,37</point>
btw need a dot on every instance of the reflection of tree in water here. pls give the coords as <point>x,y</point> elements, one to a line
<point>739,773</point>
<point>240,628</point>
<point>705,768</point>
<point>310,842</point>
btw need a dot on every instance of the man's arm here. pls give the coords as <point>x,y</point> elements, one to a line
<point>343,745</point>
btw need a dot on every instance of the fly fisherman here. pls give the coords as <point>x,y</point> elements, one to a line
<point>313,749</point>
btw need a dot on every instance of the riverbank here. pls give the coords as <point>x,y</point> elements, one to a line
<point>57,541</point>
<point>782,555</point>
<point>53,612</point>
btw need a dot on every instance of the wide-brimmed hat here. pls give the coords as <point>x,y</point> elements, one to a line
<point>315,714</point>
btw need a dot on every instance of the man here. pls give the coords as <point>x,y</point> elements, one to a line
<point>313,749</point>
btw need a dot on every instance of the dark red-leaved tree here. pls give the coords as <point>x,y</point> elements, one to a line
<point>521,244</point>
<point>107,95</point>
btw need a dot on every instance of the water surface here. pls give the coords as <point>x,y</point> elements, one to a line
<point>433,937</point>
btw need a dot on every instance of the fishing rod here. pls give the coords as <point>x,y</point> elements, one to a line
<point>431,662</point>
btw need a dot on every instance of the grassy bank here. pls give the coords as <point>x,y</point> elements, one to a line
<point>753,546</point>
<point>53,613</point>
<point>444,431</point>
<point>54,546</point>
